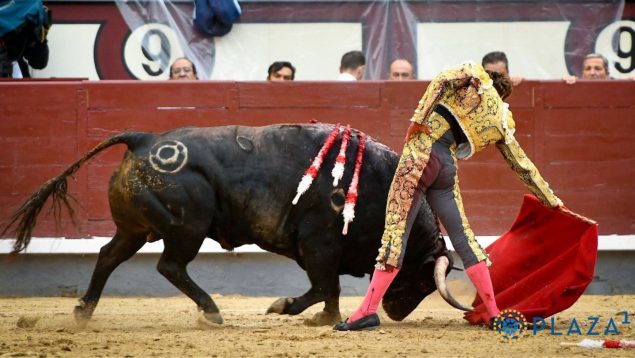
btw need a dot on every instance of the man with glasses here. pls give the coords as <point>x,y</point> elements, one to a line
<point>183,69</point>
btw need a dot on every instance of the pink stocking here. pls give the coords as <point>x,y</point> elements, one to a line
<point>376,290</point>
<point>479,275</point>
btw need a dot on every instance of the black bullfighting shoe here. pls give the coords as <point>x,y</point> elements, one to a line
<point>362,324</point>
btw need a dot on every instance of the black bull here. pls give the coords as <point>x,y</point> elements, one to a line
<point>236,184</point>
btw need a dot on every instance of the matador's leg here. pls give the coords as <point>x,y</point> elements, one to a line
<point>445,199</point>
<point>404,196</point>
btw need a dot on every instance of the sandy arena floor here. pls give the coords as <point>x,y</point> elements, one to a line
<point>166,327</point>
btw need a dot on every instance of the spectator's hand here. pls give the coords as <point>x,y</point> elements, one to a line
<point>569,79</point>
<point>516,80</point>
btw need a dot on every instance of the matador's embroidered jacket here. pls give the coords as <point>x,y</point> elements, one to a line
<point>468,94</point>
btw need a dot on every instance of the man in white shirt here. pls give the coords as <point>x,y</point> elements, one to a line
<point>352,66</point>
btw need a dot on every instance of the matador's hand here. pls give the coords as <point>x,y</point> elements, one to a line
<point>416,128</point>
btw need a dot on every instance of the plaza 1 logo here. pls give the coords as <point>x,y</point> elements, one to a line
<point>594,326</point>
<point>510,324</point>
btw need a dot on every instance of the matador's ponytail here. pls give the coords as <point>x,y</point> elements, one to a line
<point>502,83</point>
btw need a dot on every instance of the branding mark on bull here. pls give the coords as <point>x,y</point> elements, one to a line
<point>168,157</point>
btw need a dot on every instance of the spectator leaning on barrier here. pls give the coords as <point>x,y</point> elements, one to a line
<point>281,71</point>
<point>496,61</point>
<point>24,26</point>
<point>400,70</point>
<point>594,67</point>
<point>352,66</point>
<point>183,69</point>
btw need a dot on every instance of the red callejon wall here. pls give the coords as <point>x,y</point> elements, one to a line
<point>579,136</point>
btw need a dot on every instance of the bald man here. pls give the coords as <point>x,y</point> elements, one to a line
<point>400,70</point>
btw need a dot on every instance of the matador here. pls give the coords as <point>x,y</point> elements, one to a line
<point>461,112</point>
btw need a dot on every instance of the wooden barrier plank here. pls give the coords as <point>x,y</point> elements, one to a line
<point>153,94</point>
<point>586,94</point>
<point>309,94</point>
<point>29,95</point>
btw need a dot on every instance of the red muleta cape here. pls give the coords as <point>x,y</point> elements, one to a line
<point>543,264</point>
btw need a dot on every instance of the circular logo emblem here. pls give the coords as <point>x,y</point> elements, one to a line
<point>168,157</point>
<point>510,324</point>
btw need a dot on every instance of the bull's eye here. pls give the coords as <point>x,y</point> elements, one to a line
<point>168,157</point>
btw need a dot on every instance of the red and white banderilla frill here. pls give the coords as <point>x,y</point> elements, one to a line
<point>351,196</point>
<point>338,169</point>
<point>312,171</point>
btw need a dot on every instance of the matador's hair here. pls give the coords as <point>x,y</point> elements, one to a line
<point>502,83</point>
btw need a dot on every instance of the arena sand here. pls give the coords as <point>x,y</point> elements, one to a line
<point>167,327</point>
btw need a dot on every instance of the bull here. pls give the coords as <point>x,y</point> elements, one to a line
<point>235,184</point>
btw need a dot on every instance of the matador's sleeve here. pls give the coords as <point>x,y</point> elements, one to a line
<point>446,80</point>
<point>527,172</point>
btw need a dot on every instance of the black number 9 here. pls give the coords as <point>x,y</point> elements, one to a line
<point>623,54</point>
<point>162,57</point>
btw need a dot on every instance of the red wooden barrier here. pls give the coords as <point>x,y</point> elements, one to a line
<point>579,136</point>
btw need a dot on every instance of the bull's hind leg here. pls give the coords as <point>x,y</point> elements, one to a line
<point>119,249</point>
<point>321,268</point>
<point>172,265</point>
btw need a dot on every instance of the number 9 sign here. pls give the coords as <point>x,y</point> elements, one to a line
<point>617,43</point>
<point>149,50</point>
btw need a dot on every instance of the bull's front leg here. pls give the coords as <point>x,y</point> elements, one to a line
<point>321,267</point>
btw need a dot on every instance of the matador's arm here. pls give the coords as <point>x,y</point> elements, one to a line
<point>527,172</point>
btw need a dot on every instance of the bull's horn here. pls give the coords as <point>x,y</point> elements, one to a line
<point>440,266</point>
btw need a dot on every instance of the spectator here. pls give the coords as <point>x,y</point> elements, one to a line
<point>183,69</point>
<point>594,67</point>
<point>24,26</point>
<point>352,66</point>
<point>281,71</point>
<point>400,70</point>
<point>497,62</point>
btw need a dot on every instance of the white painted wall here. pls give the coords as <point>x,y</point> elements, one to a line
<point>535,50</point>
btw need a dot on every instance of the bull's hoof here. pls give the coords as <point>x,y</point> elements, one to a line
<point>82,316</point>
<point>209,320</point>
<point>83,313</point>
<point>323,318</point>
<point>280,305</point>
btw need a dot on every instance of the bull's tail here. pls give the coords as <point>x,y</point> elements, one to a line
<point>23,220</point>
